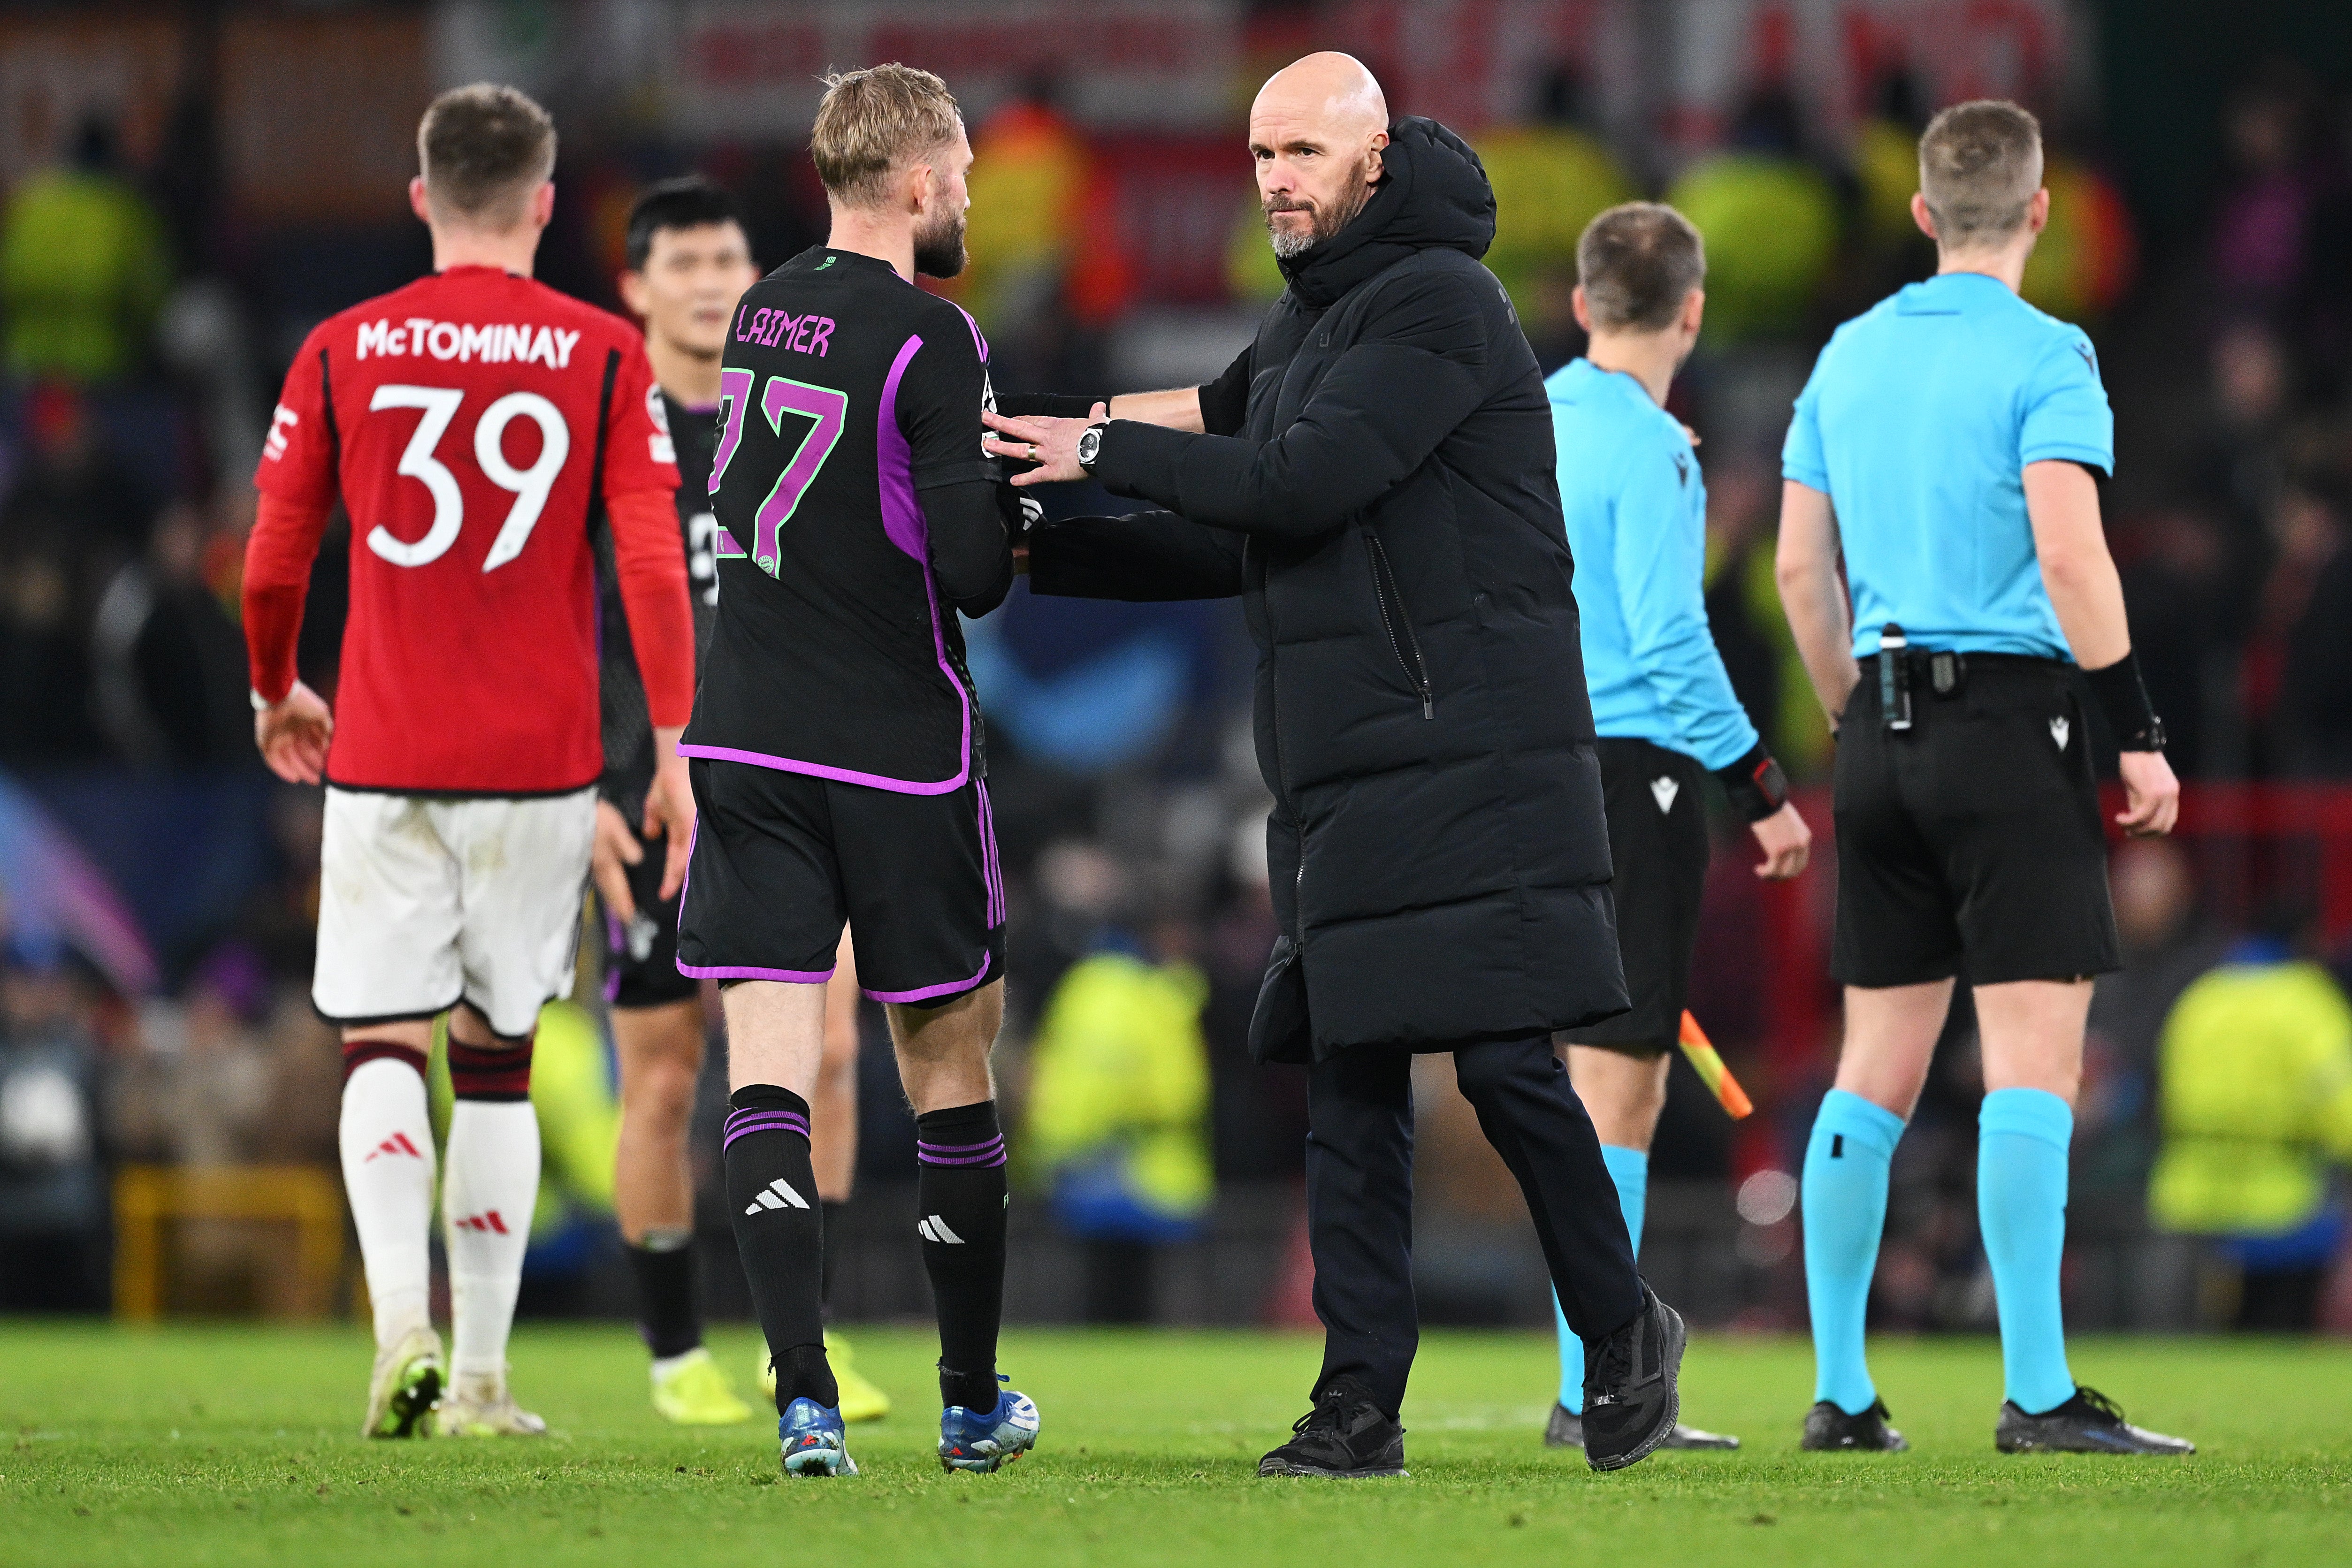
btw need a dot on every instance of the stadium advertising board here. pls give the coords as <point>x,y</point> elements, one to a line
<point>742,68</point>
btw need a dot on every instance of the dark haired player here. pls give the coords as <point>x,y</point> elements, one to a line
<point>474,424</point>
<point>688,262</point>
<point>837,746</point>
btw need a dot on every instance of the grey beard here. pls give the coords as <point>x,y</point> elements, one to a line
<point>1322,225</point>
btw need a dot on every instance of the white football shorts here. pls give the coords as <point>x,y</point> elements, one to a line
<point>426,902</point>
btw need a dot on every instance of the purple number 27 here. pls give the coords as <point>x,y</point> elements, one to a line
<point>827,407</point>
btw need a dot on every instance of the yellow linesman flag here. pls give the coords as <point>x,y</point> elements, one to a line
<point>1711,1070</point>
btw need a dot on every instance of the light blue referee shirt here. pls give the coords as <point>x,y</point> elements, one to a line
<point>1637,510</point>
<point>1918,422</point>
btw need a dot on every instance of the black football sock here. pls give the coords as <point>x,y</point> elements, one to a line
<point>771,1194</point>
<point>959,1189</point>
<point>834,1232</point>
<point>667,1315</point>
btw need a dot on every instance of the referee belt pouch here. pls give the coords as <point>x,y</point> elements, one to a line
<point>1906,672</point>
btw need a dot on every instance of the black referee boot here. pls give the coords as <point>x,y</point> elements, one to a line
<point>2088,1423</point>
<point>1631,1393</point>
<point>1346,1434</point>
<point>1830,1430</point>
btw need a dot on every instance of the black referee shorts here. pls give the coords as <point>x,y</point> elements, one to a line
<point>1657,843</point>
<point>782,858</point>
<point>1971,844</point>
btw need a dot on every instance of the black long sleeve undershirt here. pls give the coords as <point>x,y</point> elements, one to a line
<point>971,546</point>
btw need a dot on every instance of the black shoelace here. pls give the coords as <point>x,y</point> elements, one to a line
<point>2099,1402</point>
<point>1326,1413</point>
<point>1613,1366</point>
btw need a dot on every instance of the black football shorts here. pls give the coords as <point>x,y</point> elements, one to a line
<point>1971,843</point>
<point>782,858</point>
<point>641,953</point>
<point>1657,844</point>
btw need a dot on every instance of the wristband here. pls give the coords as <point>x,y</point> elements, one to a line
<point>1756,786</point>
<point>2122,697</point>
<point>1047,405</point>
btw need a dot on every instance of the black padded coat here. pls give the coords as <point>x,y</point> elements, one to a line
<point>1377,484</point>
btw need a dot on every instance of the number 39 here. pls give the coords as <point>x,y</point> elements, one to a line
<point>530,484</point>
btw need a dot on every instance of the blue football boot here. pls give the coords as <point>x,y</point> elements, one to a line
<point>987,1440</point>
<point>813,1442</point>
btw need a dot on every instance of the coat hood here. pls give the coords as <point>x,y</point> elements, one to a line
<point>1433,191</point>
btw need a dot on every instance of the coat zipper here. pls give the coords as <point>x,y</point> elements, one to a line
<point>1281,782</point>
<point>1385,588</point>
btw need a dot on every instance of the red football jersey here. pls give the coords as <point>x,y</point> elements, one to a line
<point>465,420</point>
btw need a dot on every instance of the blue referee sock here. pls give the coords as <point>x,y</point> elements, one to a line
<point>2021,1140</point>
<point>1845,1213</point>
<point>1629,1169</point>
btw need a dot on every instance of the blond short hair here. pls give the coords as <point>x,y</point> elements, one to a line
<point>1637,263</point>
<point>1979,165</point>
<point>483,150</point>
<point>874,121</point>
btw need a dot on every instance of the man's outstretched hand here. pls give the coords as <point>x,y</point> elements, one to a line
<point>293,732</point>
<point>1051,443</point>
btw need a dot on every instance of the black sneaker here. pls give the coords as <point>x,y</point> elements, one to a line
<point>1565,1431</point>
<point>1345,1434</point>
<point>2088,1423</point>
<point>1631,1397</point>
<point>1830,1430</point>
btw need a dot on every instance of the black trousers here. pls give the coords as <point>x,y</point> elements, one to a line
<point>1359,1200</point>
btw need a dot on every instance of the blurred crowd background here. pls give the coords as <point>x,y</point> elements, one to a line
<point>186,189</point>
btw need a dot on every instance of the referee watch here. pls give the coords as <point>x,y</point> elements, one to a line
<point>1089,446</point>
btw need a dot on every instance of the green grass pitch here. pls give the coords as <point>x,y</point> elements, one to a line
<point>233,1446</point>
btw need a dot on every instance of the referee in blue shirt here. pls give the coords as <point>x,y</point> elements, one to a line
<point>1949,447</point>
<point>1636,512</point>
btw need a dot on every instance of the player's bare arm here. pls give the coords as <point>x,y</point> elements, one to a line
<point>2079,573</point>
<point>1810,592</point>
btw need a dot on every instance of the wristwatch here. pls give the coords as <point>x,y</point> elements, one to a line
<point>1089,446</point>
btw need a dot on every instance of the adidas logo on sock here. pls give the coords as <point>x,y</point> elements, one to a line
<point>778,1193</point>
<point>397,1144</point>
<point>488,1220</point>
<point>936,1229</point>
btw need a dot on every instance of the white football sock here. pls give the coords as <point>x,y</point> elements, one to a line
<point>386,1139</point>
<point>486,1203</point>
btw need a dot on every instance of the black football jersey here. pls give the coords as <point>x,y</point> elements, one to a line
<point>689,435</point>
<point>846,394</point>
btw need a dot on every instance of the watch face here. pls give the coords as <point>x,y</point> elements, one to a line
<point>1089,443</point>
